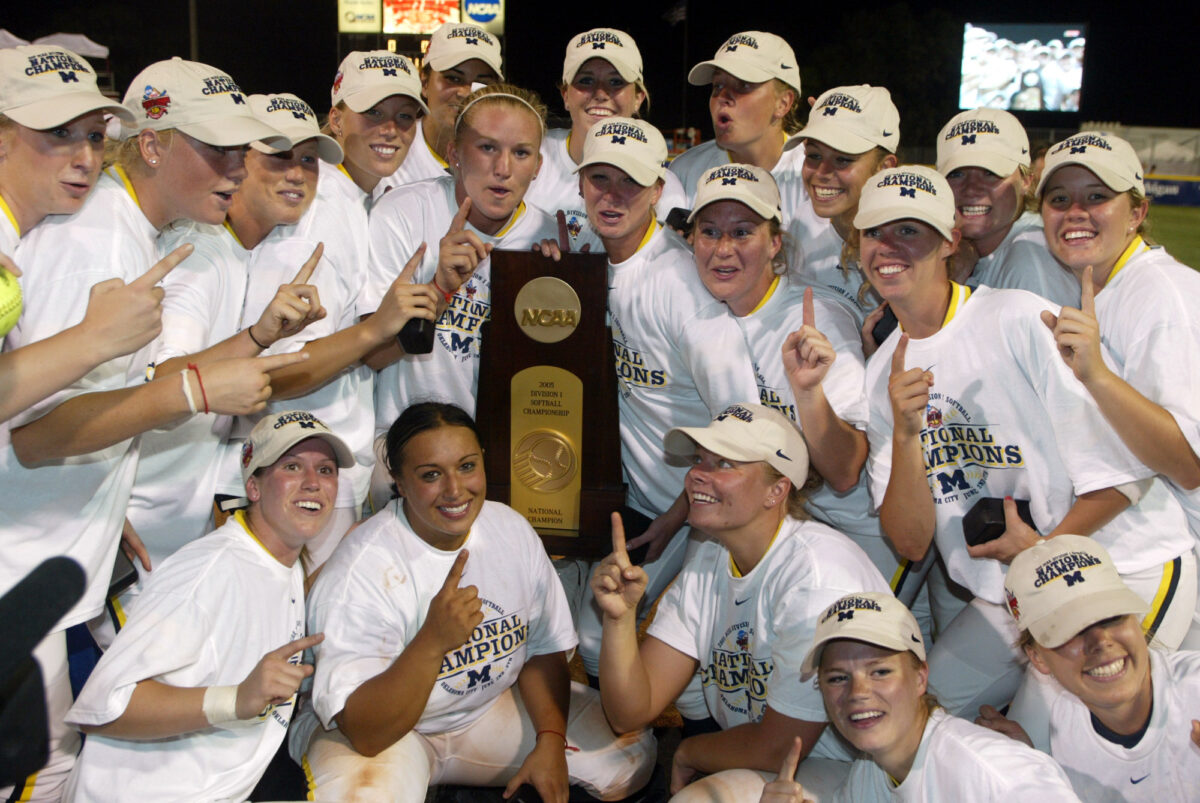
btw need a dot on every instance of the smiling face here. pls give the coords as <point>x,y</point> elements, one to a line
<point>726,497</point>
<point>734,248</point>
<point>279,188</point>
<point>618,208</point>
<point>834,179</point>
<point>292,499</point>
<point>986,205</point>
<point>1107,666</point>
<point>445,91</point>
<point>442,482</point>
<point>744,112</point>
<point>377,140</point>
<point>50,172</point>
<point>873,697</point>
<point>598,91</point>
<point>905,261</point>
<point>1087,223</point>
<point>496,155</point>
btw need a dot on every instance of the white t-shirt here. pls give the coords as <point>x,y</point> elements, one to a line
<point>1023,261</point>
<point>206,618</point>
<point>345,403</point>
<point>75,506</point>
<point>557,187</point>
<point>180,468</point>
<point>959,761</point>
<point>420,163</point>
<point>1163,766</point>
<point>690,165</point>
<point>750,633</point>
<point>422,213</point>
<point>10,238</point>
<point>373,595</point>
<point>680,357</point>
<point>766,329</point>
<point>1149,316</point>
<point>1006,417</point>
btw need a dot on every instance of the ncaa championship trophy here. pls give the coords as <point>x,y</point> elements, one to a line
<point>547,407</point>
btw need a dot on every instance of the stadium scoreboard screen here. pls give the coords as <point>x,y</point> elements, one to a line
<point>1034,67</point>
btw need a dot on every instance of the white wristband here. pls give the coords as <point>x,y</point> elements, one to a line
<point>220,704</point>
<point>187,391</point>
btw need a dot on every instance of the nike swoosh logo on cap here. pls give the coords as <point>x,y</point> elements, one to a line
<point>780,453</point>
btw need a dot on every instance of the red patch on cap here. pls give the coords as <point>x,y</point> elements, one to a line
<point>155,102</point>
<point>247,453</point>
<point>337,81</point>
<point>1012,604</point>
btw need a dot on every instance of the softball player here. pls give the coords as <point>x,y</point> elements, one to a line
<point>82,439</point>
<point>1123,718</point>
<point>969,420</point>
<point>1138,302</point>
<point>460,56</point>
<point>755,95</point>
<point>440,666</point>
<point>195,695</point>
<point>740,612</point>
<point>602,78</point>
<point>984,155</point>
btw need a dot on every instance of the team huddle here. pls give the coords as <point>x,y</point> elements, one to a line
<point>912,454</point>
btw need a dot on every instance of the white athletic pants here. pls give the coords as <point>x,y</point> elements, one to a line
<point>488,752</point>
<point>820,777</point>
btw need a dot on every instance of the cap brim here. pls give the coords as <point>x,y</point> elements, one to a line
<point>702,73</point>
<point>812,659</point>
<point>626,70</point>
<point>226,132</point>
<point>758,207</point>
<point>1063,624</point>
<point>449,62</point>
<point>1111,180</point>
<point>682,441</point>
<point>328,149</point>
<point>638,171</point>
<point>836,137</point>
<point>61,109</point>
<point>869,219</point>
<point>995,163</point>
<point>364,99</point>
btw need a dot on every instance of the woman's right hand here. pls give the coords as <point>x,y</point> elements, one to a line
<point>784,789</point>
<point>618,585</point>
<point>909,392</point>
<point>459,252</point>
<point>454,612</point>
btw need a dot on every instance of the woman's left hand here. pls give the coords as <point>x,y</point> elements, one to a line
<point>545,768</point>
<point>1077,334</point>
<point>1018,536</point>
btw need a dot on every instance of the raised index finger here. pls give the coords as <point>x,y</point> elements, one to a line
<point>413,263</point>
<point>787,771</point>
<point>306,270</point>
<point>162,267</point>
<point>810,315</point>
<point>618,540</point>
<point>299,645</point>
<point>1087,298</point>
<point>460,217</point>
<point>898,355</point>
<point>456,570</point>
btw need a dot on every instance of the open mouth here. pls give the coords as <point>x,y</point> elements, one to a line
<point>385,151</point>
<point>865,719</point>
<point>599,111</point>
<point>1077,236</point>
<point>292,196</point>
<point>827,193</point>
<point>309,504</point>
<point>889,270</point>
<point>974,211</point>
<point>226,198</point>
<point>703,498</point>
<point>454,511</point>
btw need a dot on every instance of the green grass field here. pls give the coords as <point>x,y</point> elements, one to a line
<point>1178,229</point>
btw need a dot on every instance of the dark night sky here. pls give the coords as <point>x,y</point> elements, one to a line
<point>1140,65</point>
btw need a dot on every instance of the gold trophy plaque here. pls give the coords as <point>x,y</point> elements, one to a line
<point>547,405</point>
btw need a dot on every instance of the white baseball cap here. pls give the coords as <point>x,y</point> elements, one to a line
<point>456,42</point>
<point>874,617</point>
<point>365,77</point>
<point>1061,586</point>
<point>199,100</point>
<point>1112,159</point>
<point>747,184</point>
<point>753,56</point>
<point>297,121</point>
<point>44,86</point>
<point>275,434</point>
<point>853,119</point>
<point>635,146</point>
<point>989,138</point>
<point>750,433</point>
<point>910,192</point>
<point>615,47</point>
